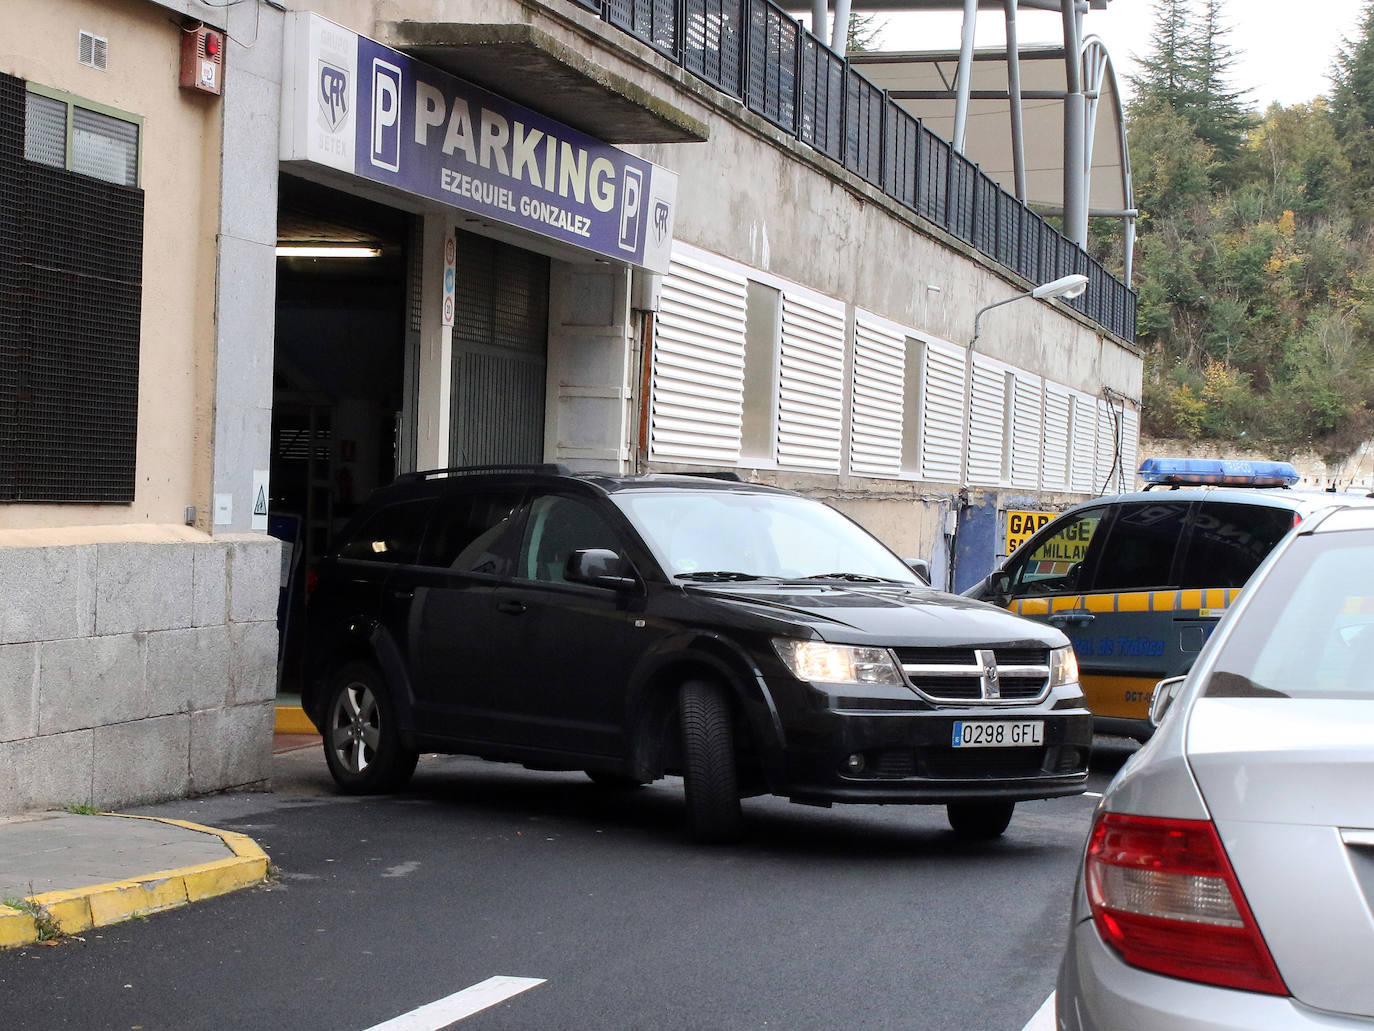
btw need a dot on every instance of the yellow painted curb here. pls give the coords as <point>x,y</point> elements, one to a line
<point>291,719</point>
<point>80,909</point>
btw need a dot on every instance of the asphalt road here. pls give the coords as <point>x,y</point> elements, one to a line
<point>852,917</point>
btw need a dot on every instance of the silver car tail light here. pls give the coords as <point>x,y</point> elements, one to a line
<point>1164,895</point>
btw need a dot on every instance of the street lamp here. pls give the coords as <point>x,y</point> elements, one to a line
<point>1068,287</point>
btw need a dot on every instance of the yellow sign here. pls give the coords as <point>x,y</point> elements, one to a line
<point>1022,525</point>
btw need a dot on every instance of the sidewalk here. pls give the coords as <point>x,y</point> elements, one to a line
<point>63,873</point>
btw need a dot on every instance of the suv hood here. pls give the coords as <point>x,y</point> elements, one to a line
<point>883,614</point>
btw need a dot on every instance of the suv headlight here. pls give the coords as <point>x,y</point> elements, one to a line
<point>819,663</point>
<point>1063,667</point>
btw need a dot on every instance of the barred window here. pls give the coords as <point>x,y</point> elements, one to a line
<point>71,266</point>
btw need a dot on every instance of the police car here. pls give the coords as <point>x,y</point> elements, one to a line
<point>1138,581</point>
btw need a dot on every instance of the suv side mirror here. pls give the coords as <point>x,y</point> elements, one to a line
<point>598,567</point>
<point>920,567</point>
<point>1163,696</point>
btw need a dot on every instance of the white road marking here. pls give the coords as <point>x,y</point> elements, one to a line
<point>442,1013</point>
<point>1044,1017</point>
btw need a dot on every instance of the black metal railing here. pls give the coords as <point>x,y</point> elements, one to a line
<point>756,52</point>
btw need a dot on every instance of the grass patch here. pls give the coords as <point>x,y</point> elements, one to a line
<point>78,809</point>
<point>47,926</point>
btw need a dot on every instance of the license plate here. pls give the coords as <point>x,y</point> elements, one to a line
<point>998,733</point>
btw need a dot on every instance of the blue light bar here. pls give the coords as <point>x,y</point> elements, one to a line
<point>1179,472</point>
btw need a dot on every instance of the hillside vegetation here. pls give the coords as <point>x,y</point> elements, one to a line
<point>1255,259</point>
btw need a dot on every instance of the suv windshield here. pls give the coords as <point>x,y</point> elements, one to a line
<point>705,534</point>
<point>1309,630</point>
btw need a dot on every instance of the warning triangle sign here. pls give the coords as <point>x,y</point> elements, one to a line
<point>260,506</point>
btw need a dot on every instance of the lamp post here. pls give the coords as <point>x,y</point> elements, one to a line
<point>1068,287</point>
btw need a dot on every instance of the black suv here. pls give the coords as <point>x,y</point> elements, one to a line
<point>748,638</point>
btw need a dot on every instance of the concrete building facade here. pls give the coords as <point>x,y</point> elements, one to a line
<point>693,279</point>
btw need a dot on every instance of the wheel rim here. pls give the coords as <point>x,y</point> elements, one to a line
<point>355,727</point>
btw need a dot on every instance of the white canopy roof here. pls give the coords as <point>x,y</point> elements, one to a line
<point>924,84</point>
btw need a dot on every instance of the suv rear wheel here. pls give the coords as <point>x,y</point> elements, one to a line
<point>708,763</point>
<point>362,743</point>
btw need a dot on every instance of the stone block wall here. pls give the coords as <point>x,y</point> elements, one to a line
<point>133,672</point>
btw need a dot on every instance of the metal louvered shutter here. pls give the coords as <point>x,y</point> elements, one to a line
<point>1105,470</point>
<point>1130,446</point>
<point>1027,417</point>
<point>810,385</point>
<point>943,415</point>
<point>1082,444</point>
<point>987,432</point>
<point>1055,452</point>
<point>697,408</point>
<point>875,438</point>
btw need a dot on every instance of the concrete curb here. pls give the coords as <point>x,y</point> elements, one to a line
<point>291,719</point>
<point>80,909</point>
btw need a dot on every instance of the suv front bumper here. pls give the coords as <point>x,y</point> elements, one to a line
<point>910,758</point>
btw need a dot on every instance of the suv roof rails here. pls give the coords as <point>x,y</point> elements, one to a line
<point>708,474</point>
<point>551,468</point>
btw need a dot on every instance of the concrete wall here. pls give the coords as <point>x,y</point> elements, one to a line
<point>180,155</point>
<point>137,654</point>
<point>135,670</point>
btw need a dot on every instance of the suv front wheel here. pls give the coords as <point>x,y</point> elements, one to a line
<point>362,743</point>
<point>709,773</point>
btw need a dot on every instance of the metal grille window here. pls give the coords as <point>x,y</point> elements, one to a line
<point>987,414</point>
<point>697,407</point>
<point>70,298</point>
<point>875,447</point>
<point>64,133</point>
<point>1082,444</point>
<point>811,384</point>
<point>1055,452</point>
<point>1026,418</point>
<point>942,417</point>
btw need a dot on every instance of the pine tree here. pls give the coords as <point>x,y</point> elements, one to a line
<point>1219,116</point>
<point>1169,75</point>
<point>1352,104</point>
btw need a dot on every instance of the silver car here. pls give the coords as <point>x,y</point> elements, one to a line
<point>1228,881</point>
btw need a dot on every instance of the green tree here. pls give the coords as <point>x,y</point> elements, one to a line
<point>1352,105</point>
<point>1216,109</point>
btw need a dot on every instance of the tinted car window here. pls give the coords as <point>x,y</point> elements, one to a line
<point>1309,630</point>
<point>1226,543</point>
<point>1053,564</point>
<point>474,532</point>
<point>556,527</point>
<point>1139,553</point>
<point>391,534</point>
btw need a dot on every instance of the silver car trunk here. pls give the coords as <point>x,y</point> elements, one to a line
<point>1290,785</point>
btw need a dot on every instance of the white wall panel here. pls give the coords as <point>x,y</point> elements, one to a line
<point>1130,445</point>
<point>1082,444</point>
<point>698,365</point>
<point>987,425</point>
<point>877,401</point>
<point>1026,430</point>
<point>943,416</point>
<point>1054,457</point>
<point>811,383</point>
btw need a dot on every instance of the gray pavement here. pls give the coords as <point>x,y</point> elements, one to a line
<point>45,852</point>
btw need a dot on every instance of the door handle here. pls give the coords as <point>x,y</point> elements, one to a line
<point>402,595</point>
<point>513,608</point>
<point>1075,618</point>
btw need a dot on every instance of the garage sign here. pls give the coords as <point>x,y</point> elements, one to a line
<point>352,104</point>
<point>1021,526</point>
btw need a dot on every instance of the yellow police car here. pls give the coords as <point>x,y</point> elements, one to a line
<point>1138,581</point>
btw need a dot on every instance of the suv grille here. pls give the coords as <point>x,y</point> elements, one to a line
<point>990,675</point>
